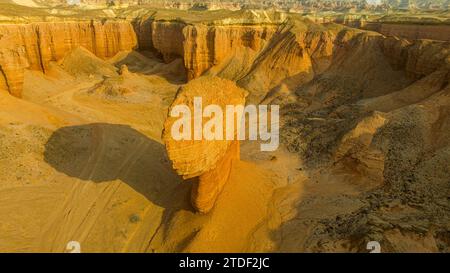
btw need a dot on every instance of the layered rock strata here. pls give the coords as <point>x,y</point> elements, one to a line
<point>35,45</point>
<point>206,46</point>
<point>293,51</point>
<point>411,31</point>
<point>418,58</point>
<point>206,162</point>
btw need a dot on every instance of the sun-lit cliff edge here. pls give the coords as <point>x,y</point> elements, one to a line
<point>202,40</point>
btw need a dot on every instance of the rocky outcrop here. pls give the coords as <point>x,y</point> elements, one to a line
<point>203,46</point>
<point>294,52</point>
<point>13,61</point>
<point>35,45</point>
<point>209,185</point>
<point>168,39</point>
<point>244,53</point>
<point>18,50</point>
<point>418,58</point>
<point>207,162</point>
<point>143,29</point>
<point>411,31</point>
<point>293,57</point>
<point>206,46</point>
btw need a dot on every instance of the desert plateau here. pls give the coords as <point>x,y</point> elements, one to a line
<point>87,153</point>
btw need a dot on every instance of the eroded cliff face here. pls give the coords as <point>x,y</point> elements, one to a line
<point>168,39</point>
<point>35,45</point>
<point>293,56</point>
<point>366,116</point>
<point>207,46</point>
<point>201,46</point>
<point>419,58</point>
<point>294,52</point>
<point>411,31</point>
<point>198,155</point>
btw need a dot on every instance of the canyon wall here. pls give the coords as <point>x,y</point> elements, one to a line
<point>418,58</point>
<point>294,53</point>
<point>206,46</point>
<point>35,45</point>
<point>403,29</point>
<point>168,39</point>
<point>201,46</point>
<point>294,56</point>
<point>411,31</point>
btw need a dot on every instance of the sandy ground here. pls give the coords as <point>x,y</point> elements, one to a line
<point>83,161</point>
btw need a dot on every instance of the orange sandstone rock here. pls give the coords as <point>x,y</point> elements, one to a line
<point>412,31</point>
<point>206,46</point>
<point>207,162</point>
<point>35,45</point>
<point>167,39</point>
<point>208,186</point>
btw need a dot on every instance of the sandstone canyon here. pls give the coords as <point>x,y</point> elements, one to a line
<point>86,151</point>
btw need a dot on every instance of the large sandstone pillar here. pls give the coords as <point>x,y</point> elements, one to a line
<point>206,163</point>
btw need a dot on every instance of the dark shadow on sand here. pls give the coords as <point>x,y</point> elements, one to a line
<point>103,152</point>
<point>150,63</point>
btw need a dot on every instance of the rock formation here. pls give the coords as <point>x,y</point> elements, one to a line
<point>207,162</point>
<point>167,39</point>
<point>412,31</point>
<point>418,58</point>
<point>239,48</point>
<point>206,46</point>
<point>124,70</point>
<point>364,134</point>
<point>233,49</point>
<point>35,45</point>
